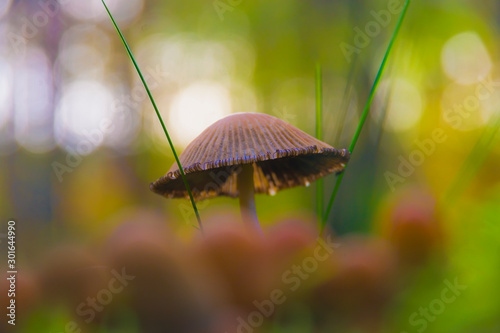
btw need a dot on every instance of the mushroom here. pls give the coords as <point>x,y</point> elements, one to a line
<point>247,153</point>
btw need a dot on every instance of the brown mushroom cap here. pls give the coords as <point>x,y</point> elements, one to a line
<point>283,157</point>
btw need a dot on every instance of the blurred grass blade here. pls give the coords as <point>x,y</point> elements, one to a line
<point>346,101</point>
<point>319,136</point>
<point>474,161</point>
<point>366,110</point>
<point>183,176</point>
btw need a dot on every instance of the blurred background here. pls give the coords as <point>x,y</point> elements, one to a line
<point>416,218</point>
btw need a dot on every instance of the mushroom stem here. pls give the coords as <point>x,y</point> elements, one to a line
<point>247,197</point>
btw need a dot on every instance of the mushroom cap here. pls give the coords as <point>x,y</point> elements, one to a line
<point>283,156</point>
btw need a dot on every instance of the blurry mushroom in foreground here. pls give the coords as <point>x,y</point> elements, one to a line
<point>247,153</point>
<point>411,220</point>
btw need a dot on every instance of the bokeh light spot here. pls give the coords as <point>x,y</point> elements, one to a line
<point>195,108</point>
<point>84,50</point>
<point>404,104</point>
<point>33,103</point>
<point>123,11</point>
<point>81,115</point>
<point>462,106</point>
<point>465,59</point>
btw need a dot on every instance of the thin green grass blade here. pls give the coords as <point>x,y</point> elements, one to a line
<point>319,136</point>
<point>183,176</point>
<point>473,162</point>
<point>366,110</point>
